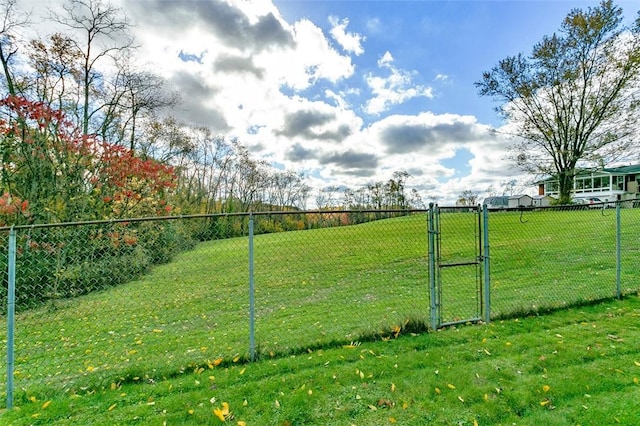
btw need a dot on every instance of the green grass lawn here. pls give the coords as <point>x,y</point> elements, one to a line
<point>150,350</point>
<point>576,366</point>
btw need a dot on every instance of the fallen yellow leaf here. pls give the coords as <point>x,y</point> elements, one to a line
<point>222,413</point>
<point>219,415</point>
<point>450,386</point>
<point>46,404</point>
<point>111,407</point>
<point>546,388</point>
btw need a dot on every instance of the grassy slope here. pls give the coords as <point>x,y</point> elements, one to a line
<point>313,289</point>
<point>576,366</point>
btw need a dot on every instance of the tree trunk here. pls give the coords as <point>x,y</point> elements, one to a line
<point>565,185</point>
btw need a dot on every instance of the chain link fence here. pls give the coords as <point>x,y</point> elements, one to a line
<point>549,258</point>
<point>99,304</point>
<point>102,303</point>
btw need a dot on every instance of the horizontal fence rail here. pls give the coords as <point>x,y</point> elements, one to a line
<point>101,303</point>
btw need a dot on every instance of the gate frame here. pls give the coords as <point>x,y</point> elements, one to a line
<point>482,262</point>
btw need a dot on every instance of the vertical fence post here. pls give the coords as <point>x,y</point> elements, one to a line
<point>11,309</point>
<point>618,252</point>
<point>252,340</point>
<point>432,266</point>
<point>486,264</point>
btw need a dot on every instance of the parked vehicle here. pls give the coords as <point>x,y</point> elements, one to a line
<point>579,203</point>
<point>593,203</point>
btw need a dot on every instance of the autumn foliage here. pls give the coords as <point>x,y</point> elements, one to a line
<point>60,174</point>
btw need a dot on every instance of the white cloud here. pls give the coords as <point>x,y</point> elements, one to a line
<point>385,60</point>
<point>311,60</point>
<point>374,25</point>
<point>394,89</point>
<point>287,92</point>
<point>350,42</point>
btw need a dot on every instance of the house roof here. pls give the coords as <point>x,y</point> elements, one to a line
<point>497,200</point>
<point>517,197</point>
<point>624,169</point>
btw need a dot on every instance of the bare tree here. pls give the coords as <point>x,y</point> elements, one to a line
<point>245,183</point>
<point>135,96</point>
<point>468,197</point>
<point>55,66</point>
<point>509,187</point>
<point>327,197</point>
<point>286,189</point>
<point>575,99</point>
<point>12,19</point>
<point>105,31</point>
<point>396,196</point>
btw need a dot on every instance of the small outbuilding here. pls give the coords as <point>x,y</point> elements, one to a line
<point>499,202</point>
<point>520,201</point>
<point>542,200</point>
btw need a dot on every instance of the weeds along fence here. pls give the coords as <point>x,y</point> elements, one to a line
<point>101,303</point>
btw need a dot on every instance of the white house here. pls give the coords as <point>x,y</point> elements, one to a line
<point>608,184</point>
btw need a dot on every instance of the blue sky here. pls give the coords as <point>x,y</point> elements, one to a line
<point>349,92</point>
<point>456,39</point>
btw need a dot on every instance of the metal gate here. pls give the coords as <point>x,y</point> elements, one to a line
<point>458,265</point>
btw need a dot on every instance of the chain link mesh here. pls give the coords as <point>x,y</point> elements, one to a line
<point>550,258</point>
<point>112,302</point>
<point>106,303</point>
